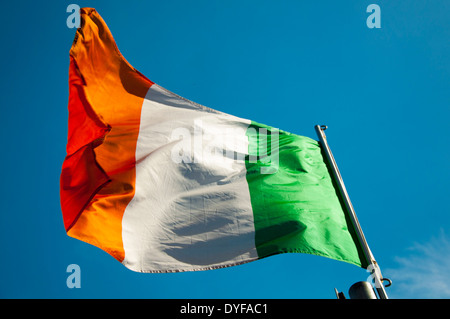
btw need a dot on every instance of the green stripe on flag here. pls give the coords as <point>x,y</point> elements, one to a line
<point>295,204</point>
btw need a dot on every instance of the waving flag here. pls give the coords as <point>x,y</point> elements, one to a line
<point>164,184</point>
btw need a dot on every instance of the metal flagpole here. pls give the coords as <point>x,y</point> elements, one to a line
<point>373,266</point>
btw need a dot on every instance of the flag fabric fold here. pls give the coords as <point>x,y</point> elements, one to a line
<point>164,184</point>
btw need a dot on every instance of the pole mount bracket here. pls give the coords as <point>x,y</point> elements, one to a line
<point>388,280</point>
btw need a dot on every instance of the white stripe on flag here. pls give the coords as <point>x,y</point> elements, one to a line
<point>191,209</point>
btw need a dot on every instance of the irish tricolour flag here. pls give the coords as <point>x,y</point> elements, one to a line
<point>164,184</point>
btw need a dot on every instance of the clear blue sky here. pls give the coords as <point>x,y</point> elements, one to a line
<point>384,93</point>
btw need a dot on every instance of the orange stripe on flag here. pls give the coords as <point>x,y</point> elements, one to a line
<point>105,100</point>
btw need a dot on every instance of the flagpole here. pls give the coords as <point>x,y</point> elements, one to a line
<point>373,266</point>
